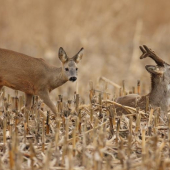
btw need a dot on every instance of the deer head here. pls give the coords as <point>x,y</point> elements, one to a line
<point>70,68</point>
<point>160,74</point>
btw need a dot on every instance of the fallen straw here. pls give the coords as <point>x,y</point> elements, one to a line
<point>110,82</point>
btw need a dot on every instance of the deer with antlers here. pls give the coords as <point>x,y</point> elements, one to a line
<point>159,95</point>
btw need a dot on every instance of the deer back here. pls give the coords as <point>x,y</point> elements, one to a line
<point>22,72</point>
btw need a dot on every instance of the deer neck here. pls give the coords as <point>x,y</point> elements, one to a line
<point>160,94</point>
<point>57,77</point>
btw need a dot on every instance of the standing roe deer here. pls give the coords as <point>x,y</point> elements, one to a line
<point>34,76</point>
<point>159,95</point>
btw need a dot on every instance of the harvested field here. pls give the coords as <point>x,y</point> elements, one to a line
<point>82,136</point>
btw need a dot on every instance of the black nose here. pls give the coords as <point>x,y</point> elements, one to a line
<point>73,79</point>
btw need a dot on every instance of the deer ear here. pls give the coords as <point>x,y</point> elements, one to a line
<point>62,55</point>
<point>78,56</point>
<point>153,69</point>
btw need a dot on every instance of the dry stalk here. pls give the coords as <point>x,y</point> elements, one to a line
<point>143,145</point>
<point>138,87</point>
<point>111,113</point>
<point>100,105</point>
<point>123,87</point>
<point>47,123</point>
<point>4,128</point>
<point>43,135</point>
<point>147,104</point>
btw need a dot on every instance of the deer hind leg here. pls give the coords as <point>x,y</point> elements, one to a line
<point>1,105</point>
<point>28,101</point>
<point>1,88</point>
<point>44,95</point>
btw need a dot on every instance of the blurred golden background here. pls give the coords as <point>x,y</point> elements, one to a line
<point>110,32</point>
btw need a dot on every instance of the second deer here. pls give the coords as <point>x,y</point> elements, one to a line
<point>159,95</point>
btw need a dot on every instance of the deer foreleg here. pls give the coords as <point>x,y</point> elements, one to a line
<point>28,101</point>
<point>44,95</point>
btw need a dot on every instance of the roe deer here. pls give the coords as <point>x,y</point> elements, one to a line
<point>159,95</point>
<point>34,76</point>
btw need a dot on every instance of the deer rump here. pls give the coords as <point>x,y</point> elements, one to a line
<point>131,100</point>
<point>159,95</point>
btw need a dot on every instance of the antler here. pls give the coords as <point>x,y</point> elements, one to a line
<point>148,52</point>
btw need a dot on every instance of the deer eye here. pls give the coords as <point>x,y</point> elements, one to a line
<point>76,69</point>
<point>66,69</point>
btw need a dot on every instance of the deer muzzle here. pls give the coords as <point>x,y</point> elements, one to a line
<point>73,79</point>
